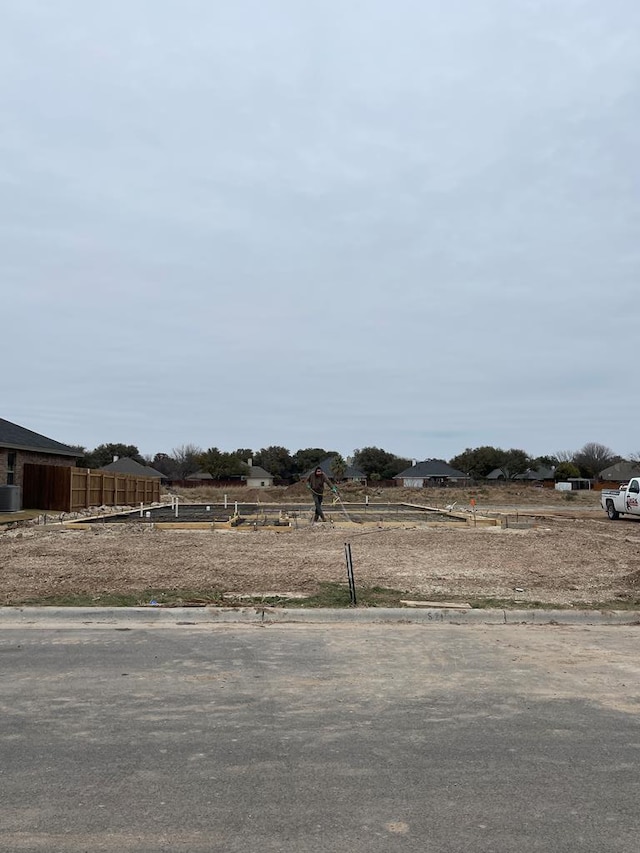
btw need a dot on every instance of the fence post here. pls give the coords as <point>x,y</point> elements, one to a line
<point>73,470</point>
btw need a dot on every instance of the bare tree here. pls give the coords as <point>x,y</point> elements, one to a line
<point>186,460</point>
<point>565,455</point>
<point>593,458</point>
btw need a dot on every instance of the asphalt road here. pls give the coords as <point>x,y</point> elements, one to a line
<point>320,738</point>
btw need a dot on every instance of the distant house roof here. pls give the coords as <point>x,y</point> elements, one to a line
<point>431,468</point>
<point>19,438</point>
<point>126,465</point>
<point>350,471</point>
<point>256,472</point>
<point>621,471</point>
<point>253,471</point>
<point>543,472</point>
<point>496,474</point>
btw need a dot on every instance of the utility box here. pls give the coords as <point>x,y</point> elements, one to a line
<point>10,499</point>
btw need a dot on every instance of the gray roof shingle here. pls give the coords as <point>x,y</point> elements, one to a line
<point>621,471</point>
<point>543,472</point>
<point>255,471</point>
<point>20,438</point>
<point>431,468</point>
<point>126,465</point>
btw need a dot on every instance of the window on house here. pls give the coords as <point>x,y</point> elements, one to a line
<point>11,468</point>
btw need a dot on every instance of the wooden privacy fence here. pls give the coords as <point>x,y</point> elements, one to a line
<point>70,489</point>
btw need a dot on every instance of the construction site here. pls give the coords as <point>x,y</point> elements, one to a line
<point>286,516</point>
<point>510,548</point>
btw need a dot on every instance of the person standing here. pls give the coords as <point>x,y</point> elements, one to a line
<point>316,481</point>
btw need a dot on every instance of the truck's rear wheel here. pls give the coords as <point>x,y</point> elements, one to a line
<point>612,512</point>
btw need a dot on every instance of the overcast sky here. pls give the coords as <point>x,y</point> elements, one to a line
<point>410,224</point>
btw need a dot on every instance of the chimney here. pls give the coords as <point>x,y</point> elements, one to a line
<point>115,458</point>
<point>414,462</point>
<point>250,462</point>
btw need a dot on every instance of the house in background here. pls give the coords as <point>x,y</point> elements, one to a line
<point>351,473</point>
<point>621,472</point>
<point>257,477</point>
<point>19,446</point>
<point>254,478</point>
<point>127,465</point>
<point>431,472</point>
<point>203,477</point>
<point>542,474</point>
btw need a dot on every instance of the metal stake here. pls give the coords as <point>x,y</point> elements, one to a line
<point>350,576</point>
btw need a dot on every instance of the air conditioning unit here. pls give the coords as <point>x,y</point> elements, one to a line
<point>10,499</point>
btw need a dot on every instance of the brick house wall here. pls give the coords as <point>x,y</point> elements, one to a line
<point>22,456</point>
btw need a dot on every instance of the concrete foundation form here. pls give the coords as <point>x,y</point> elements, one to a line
<point>284,516</point>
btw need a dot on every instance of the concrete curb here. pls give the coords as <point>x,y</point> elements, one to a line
<point>161,616</point>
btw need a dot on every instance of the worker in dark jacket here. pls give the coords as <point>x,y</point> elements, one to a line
<point>316,481</point>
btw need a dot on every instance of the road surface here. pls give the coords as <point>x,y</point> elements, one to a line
<point>319,738</point>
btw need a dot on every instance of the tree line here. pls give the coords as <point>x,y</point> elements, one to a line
<point>188,459</point>
<point>586,462</point>
<point>375,463</point>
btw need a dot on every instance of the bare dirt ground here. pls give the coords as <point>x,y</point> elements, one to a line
<point>571,556</point>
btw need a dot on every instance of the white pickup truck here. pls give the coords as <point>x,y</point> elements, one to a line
<point>622,501</point>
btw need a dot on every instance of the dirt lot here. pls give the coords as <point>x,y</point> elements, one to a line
<point>571,555</point>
